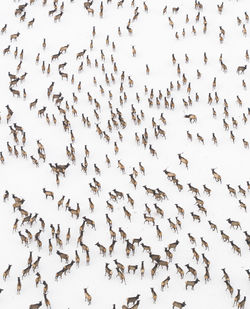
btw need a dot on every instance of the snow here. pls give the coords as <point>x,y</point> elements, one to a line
<point>155,43</point>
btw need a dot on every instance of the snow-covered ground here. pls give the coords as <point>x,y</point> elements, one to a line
<point>155,42</point>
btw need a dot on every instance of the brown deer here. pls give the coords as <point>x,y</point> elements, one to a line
<point>234,223</point>
<point>36,306</point>
<point>132,299</point>
<point>165,283</point>
<point>191,270</point>
<point>241,304</point>
<point>179,270</point>
<point>241,69</point>
<point>179,305</point>
<point>217,177</point>
<point>183,160</point>
<point>108,271</point>
<point>6,272</point>
<point>191,283</point>
<point>48,193</point>
<point>224,236</point>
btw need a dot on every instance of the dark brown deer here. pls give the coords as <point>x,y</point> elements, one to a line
<point>36,306</point>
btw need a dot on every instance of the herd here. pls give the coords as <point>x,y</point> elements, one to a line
<point>122,213</point>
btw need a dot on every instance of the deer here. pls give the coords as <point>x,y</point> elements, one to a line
<point>154,257</point>
<point>68,266</point>
<point>146,248</point>
<point>173,226</point>
<point>241,69</point>
<point>133,299</point>
<point>108,271</point>
<point>19,285</point>
<point>154,295</point>
<point>59,274</point>
<point>102,248</point>
<point>63,256</point>
<point>204,243</point>
<point>192,239</point>
<point>36,306</point>
<point>36,263</point>
<point>191,270</point>
<point>207,190</point>
<point>229,287</point>
<point>80,54</point>
<point>6,272</point>
<point>192,118</point>
<point>193,189</point>
<point>127,213</point>
<point>179,270</point>
<point>180,210</point>
<point>46,301</point>
<point>170,175</point>
<point>75,212</point>
<point>216,176</point>
<point>159,210</point>
<point>38,279</point>
<point>183,160</point>
<point>48,193</point>
<point>231,190</point>
<point>195,217</point>
<point>165,283</point>
<point>24,239</point>
<point>225,237</point>
<point>235,247</point>
<point>191,283</point>
<point>58,16</point>
<point>14,36</point>
<point>149,190</point>
<point>153,270</point>
<point>234,223</point>
<point>207,275</point>
<point>149,219</point>
<point>15,92</point>
<point>195,255</point>
<point>173,245</point>
<point>237,297</point>
<point>3,30</point>
<point>132,268</point>
<point>241,304</point>
<point>225,275</point>
<point>120,275</point>
<point>6,50</point>
<point>248,272</point>
<point>179,305</point>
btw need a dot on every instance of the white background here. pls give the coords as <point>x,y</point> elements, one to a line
<point>155,42</point>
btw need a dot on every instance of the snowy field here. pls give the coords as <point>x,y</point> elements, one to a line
<point>108,54</point>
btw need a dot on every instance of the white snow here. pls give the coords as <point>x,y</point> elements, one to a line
<point>155,43</point>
